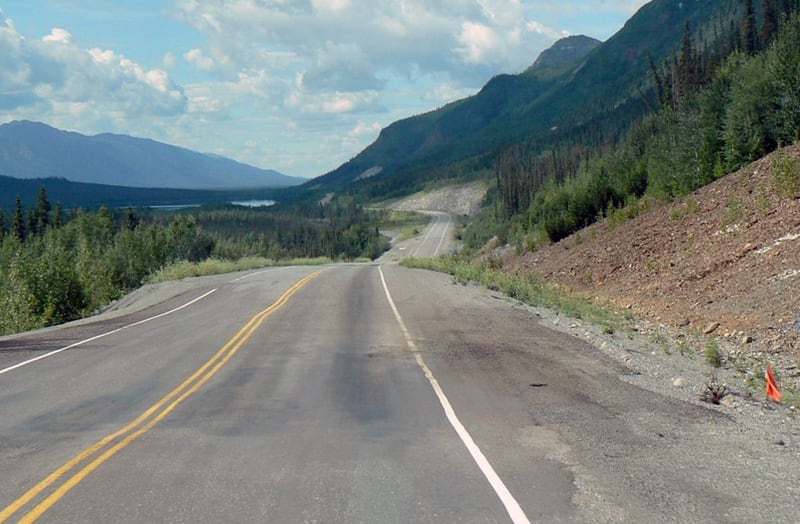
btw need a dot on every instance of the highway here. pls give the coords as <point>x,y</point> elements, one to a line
<point>345,393</point>
<point>437,238</point>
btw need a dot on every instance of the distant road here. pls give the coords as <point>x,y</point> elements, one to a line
<point>349,393</point>
<point>437,239</point>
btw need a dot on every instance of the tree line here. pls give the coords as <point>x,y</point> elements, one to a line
<point>58,265</point>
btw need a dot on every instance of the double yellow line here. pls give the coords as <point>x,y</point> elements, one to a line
<point>110,445</point>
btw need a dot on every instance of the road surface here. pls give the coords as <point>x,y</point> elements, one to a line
<point>347,393</point>
<point>437,239</point>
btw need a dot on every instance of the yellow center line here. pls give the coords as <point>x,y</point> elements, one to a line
<point>187,388</point>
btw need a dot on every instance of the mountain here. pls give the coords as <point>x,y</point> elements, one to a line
<point>580,89</point>
<point>562,56</point>
<point>453,128</point>
<point>36,150</point>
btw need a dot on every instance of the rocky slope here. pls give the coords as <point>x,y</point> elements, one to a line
<point>720,266</point>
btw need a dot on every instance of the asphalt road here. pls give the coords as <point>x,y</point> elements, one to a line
<point>437,239</point>
<point>348,393</point>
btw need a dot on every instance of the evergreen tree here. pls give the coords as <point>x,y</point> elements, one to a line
<point>131,220</point>
<point>769,25</point>
<point>662,99</point>
<point>2,224</point>
<point>687,66</point>
<point>58,219</point>
<point>33,223</point>
<point>749,37</point>
<point>42,211</point>
<point>18,224</point>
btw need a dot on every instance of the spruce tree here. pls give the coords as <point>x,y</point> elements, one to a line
<point>42,211</point>
<point>749,37</point>
<point>33,223</point>
<point>131,220</point>
<point>18,224</point>
<point>769,26</point>
<point>57,216</point>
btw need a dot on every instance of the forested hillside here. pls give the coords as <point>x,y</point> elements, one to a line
<point>585,95</point>
<point>717,104</point>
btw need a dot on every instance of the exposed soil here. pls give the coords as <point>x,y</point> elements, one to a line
<point>728,254</point>
<point>456,200</point>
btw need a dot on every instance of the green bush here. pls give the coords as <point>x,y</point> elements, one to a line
<point>786,174</point>
<point>713,354</point>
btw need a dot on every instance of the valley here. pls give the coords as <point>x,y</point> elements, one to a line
<point>571,296</point>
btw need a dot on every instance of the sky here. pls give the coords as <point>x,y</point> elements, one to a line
<point>299,86</point>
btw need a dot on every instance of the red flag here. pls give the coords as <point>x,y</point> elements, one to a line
<point>772,388</point>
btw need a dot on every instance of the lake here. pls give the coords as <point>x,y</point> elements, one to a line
<point>254,203</point>
<point>243,203</point>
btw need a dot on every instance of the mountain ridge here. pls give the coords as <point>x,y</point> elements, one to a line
<point>581,99</point>
<point>37,150</point>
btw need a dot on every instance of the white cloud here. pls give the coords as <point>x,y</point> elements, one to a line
<point>541,29</point>
<point>198,58</point>
<point>58,35</point>
<point>477,42</point>
<point>53,72</point>
<point>169,60</point>
<point>362,129</point>
<point>204,104</point>
<point>330,5</point>
<point>331,103</point>
<point>366,40</point>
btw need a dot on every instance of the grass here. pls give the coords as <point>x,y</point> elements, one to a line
<point>689,207</point>
<point>408,224</point>
<point>528,288</point>
<point>713,354</point>
<point>786,173</point>
<point>215,266</point>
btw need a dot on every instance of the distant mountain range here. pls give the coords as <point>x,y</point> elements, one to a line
<point>35,150</point>
<point>576,92</point>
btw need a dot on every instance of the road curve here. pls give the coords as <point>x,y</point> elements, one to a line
<point>437,239</point>
<point>354,393</point>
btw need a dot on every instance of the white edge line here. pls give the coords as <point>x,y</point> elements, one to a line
<point>444,235</point>
<point>96,337</point>
<point>270,270</point>
<point>425,239</point>
<point>512,506</point>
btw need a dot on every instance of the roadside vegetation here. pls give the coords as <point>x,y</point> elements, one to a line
<point>526,287</point>
<point>406,224</point>
<point>58,265</point>
<point>216,266</point>
<point>728,96</point>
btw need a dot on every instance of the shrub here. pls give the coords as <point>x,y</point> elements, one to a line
<point>713,354</point>
<point>786,175</point>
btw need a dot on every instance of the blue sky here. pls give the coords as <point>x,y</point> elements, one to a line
<point>299,86</point>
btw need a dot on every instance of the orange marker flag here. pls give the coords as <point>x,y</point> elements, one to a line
<point>772,388</point>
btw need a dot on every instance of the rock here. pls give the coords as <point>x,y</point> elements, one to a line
<point>711,328</point>
<point>747,249</point>
<point>678,382</point>
<point>728,402</point>
<point>685,322</point>
<point>747,339</point>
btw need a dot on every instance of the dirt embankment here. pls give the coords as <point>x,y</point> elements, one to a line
<point>456,200</point>
<point>724,262</point>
